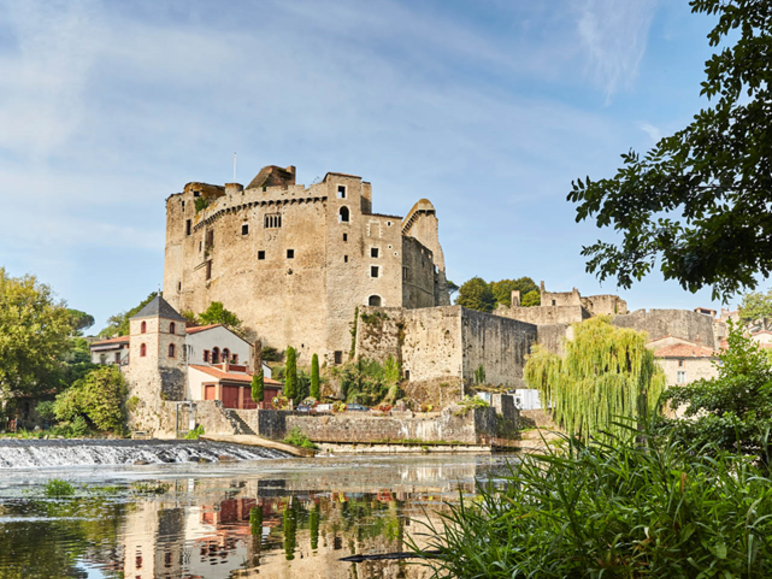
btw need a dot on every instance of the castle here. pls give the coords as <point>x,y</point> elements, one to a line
<point>294,262</point>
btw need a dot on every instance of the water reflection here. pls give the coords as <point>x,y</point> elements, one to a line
<point>295,521</point>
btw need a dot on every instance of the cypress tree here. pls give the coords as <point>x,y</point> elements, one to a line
<point>258,387</point>
<point>606,374</point>
<point>315,377</point>
<point>291,375</point>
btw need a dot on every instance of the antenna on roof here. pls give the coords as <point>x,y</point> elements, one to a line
<point>234,167</point>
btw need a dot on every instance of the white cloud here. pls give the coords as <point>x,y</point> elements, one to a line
<point>614,35</point>
<point>654,133</point>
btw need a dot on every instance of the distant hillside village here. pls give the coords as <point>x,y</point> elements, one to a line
<point>316,268</point>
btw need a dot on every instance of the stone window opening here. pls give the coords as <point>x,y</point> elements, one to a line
<point>200,245</point>
<point>388,224</point>
<point>344,215</point>
<point>261,254</point>
<point>407,375</point>
<point>172,351</point>
<point>142,350</point>
<point>235,359</point>
<point>196,193</point>
<point>143,328</point>
<point>215,355</point>
<point>554,303</point>
<point>680,363</point>
<point>290,254</point>
<point>272,221</point>
<point>206,355</point>
<point>345,237</point>
<point>179,286</point>
<point>341,191</point>
<point>210,239</point>
<point>188,227</point>
<point>345,259</point>
<point>183,205</point>
<point>245,229</point>
<point>374,271</point>
<point>172,328</point>
<point>338,357</point>
<point>117,357</point>
<point>374,301</point>
<point>208,270</point>
<point>374,251</point>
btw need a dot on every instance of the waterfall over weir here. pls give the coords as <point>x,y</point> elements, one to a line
<point>58,453</point>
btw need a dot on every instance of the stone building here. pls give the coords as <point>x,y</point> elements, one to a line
<point>294,262</point>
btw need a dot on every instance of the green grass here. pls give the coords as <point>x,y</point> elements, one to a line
<point>621,510</point>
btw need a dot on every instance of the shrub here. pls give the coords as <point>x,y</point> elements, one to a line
<point>195,433</point>
<point>46,409</point>
<point>59,488</point>
<point>97,397</point>
<point>621,510</point>
<point>297,437</point>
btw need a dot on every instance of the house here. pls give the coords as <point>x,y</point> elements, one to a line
<point>230,383</point>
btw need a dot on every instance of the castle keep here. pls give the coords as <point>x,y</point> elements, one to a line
<point>294,262</point>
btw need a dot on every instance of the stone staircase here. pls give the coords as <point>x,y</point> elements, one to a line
<point>239,426</point>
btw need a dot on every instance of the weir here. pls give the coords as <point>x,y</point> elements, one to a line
<point>19,454</point>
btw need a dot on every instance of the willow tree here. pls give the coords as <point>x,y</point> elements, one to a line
<point>605,375</point>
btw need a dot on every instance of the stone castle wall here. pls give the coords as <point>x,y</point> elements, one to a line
<point>685,324</point>
<point>544,315</point>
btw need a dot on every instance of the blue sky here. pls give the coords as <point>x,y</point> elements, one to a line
<point>488,108</point>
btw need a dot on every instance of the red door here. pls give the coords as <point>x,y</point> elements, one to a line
<point>230,396</point>
<point>210,392</point>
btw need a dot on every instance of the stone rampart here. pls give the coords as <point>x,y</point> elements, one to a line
<point>685,324</point>
<point>543,315</point>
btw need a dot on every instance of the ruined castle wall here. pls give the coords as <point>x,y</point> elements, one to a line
<point>540,315</point>
<point>497,344</point>
<point>551,337</point>
<point>432,348</point>
<point>417,275</point>
<point>571,298</point>
<point>684,324</point>
<point>605,305</point>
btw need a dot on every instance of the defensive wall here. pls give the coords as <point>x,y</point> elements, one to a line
<point>686,324</point>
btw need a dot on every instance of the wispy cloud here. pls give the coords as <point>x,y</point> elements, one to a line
<point>614,35</point>
<point>654,133</point>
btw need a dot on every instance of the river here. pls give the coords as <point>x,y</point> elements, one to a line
<point>253,517</point>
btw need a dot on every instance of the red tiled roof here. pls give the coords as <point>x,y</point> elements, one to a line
<point>761,332</point>
<point>684,351</point>
<point>197,329</point>
<point>231,376</point>
<point>116,340</point>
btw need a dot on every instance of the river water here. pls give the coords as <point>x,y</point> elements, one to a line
<point>260,517</point>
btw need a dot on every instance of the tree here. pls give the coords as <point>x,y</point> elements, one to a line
<point>315,377</point>
<point>99,397</point>
<point>118,324</point>
<point>732,410</point>
<point>532,298</point>
<point>452,288</point>
<point>80,321</point>
<point>217,314</point>
<point>607,374</point>
<point>258,387</point>
<point>34,336</point>
<point>191,318</point>
<point>698,202</point>
<point>291,375</point>
<point>502,290</point>
<point>756,305</point>
<point>475,294</point>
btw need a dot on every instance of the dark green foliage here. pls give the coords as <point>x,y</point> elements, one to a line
<point>756,305</point>
<point>502,290</point>
<point>80,321</point>
<point>452,288</point>
<point>532,298</point>
<point>698,202</point>
<point>297,437</point>
<point>59,488</point>
<point>733,410</point>
<point>475,294</point>
<point>367,382</point>
<point>272,354</point>
<point>118,324</point>
<point>98,397</point>
<point>77,362</point>
<point>291,376</point>
<point>315,393</point>
<point>45,409</point>
<point>201,203</point>
<point>216,313</point>
<point>625,511</point>
<point>256,521</point>
<point>258,387</point>
<point>290,527</point>
<point>313,524</point>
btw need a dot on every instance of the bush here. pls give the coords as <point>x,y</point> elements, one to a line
<point>97,397</point>
<point>45,409</point>
<point>195,433</point>
<point>297,437</point>
<point>59,488</point>
<point>619,511</point>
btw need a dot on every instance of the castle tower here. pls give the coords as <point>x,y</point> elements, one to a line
<point>157,363</point>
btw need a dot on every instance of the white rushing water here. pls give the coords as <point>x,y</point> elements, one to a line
<point>19,454</point>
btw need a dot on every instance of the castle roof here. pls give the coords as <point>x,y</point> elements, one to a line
<point>158,308</point>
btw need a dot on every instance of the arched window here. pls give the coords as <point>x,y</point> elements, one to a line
<point>172,328</point>
<point>215,355</point>
<point>374,301</point>
<point>343,215</point>
<point>142,349</point>
<point>143,328</point>
<point>226,355</point>
<point>172,351</point>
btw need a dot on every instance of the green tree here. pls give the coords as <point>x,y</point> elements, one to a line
<point>315,393</point>
<point>732,410</point>
<point>217,314</point>
<point>502,290</point>
<point>452,288</point>
<point>698,201</point>
<point>475,294</point>
<point>258,387</point>
<point>532,298</point>
<point>80,321</point>
<point>99,397</point>
<point>118,324</point>
<point>756,305</point>
<point>607,374</point>
<point>34,336</point>
<point>291,375</point>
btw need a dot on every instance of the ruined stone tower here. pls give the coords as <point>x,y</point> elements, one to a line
<point>293,262</point>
